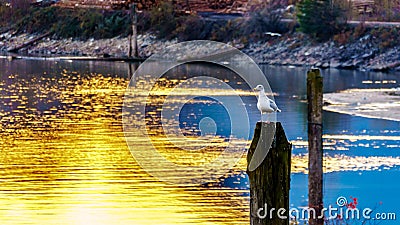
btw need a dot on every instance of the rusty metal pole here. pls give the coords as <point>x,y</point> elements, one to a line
<point>315,154</point>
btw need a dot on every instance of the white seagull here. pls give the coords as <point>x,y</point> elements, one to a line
<point>265,104</point>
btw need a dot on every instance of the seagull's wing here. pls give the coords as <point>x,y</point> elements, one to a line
<point>273,105</point>
<point>264,105</point>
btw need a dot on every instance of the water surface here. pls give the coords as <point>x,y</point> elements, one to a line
<point>64,159</point>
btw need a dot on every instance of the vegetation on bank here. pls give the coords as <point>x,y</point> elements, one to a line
<point>322,20</point>
<point>64,22</point>
<point>164,22</point>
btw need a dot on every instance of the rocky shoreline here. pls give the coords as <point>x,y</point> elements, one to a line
<point>113,47</point>
<point>363,54</point>
<point>296,50</point>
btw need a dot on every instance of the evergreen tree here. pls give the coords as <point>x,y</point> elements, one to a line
<point>320,18</point>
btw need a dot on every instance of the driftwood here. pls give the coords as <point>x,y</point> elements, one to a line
<point>28,43</point>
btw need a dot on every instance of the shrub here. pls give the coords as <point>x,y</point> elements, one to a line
<point>144,21</point>
<point>389,37</point>
<point>39,20</point>
<point>268,18</point>
<point>192,28</point>
<point>163,20</point>
<point>342,38</point>
<point>13,11</point>
<point>226,31</point>
<point>77,23</point>
<point>113,24</point>
<point>360,30</point>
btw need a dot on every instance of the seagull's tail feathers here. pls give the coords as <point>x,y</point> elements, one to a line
<point>278,110</point>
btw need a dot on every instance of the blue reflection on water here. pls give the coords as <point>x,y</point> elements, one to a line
<point>194,112</point>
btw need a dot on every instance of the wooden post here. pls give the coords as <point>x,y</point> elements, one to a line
<point>188,6</point>
<point>315,154</point>
<point>130,71</point>
<point>270,181</point>
<point>130,45</point>
<point>133,47</point>
<point>132,67</point>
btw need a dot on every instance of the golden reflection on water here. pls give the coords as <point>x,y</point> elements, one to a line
<point>64,160</point>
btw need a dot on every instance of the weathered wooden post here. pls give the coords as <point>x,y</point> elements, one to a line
<point>315,154</point>
<point>130,45</point>
<point>133,47</point>
<point>130,71</point>
<point>270,181</point>
<point>188,5</point>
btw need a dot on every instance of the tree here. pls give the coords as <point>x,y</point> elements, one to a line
<point>320,18</point>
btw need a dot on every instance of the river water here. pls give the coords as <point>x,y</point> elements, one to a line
<point>64,158</point>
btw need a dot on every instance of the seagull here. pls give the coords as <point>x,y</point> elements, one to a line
<point>265,104</point>
<point>273,34</point>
